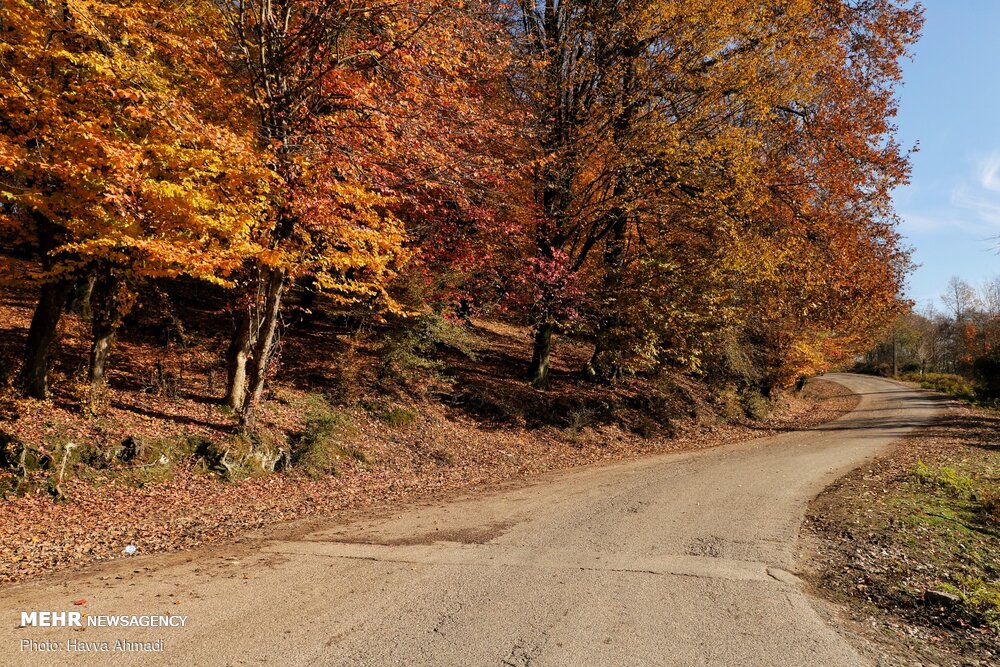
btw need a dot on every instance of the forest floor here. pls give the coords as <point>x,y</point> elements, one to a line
<point>439,420</point>
<point>909,545</point>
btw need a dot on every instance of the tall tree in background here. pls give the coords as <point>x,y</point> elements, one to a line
<point>823,262</point>
<point>960,299</point>
<point>557,75</point>
<point>645,105</point>
<point>687,123</point>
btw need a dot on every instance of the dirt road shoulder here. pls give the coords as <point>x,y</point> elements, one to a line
<point>907,548</point>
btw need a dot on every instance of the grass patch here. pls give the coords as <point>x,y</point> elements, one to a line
<point>393,415</point>
<point>144,475</point>
<point>58,458</point>
<point>324,442</point>
<point>946,478</point>
<point>981,599</point>
<point>949,524</point>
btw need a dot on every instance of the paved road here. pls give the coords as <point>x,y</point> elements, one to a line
<point>674,560</point>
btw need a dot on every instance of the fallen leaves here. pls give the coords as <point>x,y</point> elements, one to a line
<point>876,551</point>
<point>101,522</point>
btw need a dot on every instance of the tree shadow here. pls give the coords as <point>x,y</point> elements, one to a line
<point>175,418</point>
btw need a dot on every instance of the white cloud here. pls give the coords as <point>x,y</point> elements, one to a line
<point>973,206</point>
<point>989,172</point>
<point>937,221</point>
<point>982,203</point>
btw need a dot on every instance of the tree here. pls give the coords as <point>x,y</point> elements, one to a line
<point>989,297</point>
<point>598,78</point>
<point>112,164</point>
<point>905,345</point>
<point>687,125</point>
<point>827,264</point>
<point>354,102</point>
<point>960,298</point>
<point>645,116</point>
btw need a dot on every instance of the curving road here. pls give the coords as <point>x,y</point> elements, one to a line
<point>680,559</point>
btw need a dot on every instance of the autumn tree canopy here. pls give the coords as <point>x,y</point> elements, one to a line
<point>114,167</point>
<point>669,180</point>
<point>665,133</point>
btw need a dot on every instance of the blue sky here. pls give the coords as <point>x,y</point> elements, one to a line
<point>950,104</point>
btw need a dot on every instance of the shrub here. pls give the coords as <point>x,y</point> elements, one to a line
<point>410,349</point>
<point>757,407</point>
<point>981,600</point>
<point>989,500</point>
<point>956,385</point>
<point>946,478</point>
<point>730,405</point>
<point>735,405</point>
<point>322,443</point>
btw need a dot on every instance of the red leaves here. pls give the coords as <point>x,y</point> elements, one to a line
<point>550,289</point>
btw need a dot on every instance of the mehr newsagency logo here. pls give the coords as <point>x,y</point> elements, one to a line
<point>75,619</point>
<point>78,620</point>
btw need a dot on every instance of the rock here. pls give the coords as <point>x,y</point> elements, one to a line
<point>941,598</point>
<point>129,449</point>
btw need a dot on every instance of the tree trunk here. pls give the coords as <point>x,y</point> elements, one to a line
<point>307,305</point>
<point>80,303</point>
<point>52,300</point>
<point>108,307</point>
<point>895,362</point>
<point>263,348</point>
<point>237,357</point>
<point>100,349</point>
<point>605,366</point>
<point>606,363</point>
<point>44,323</point>
<point>538,373</point>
